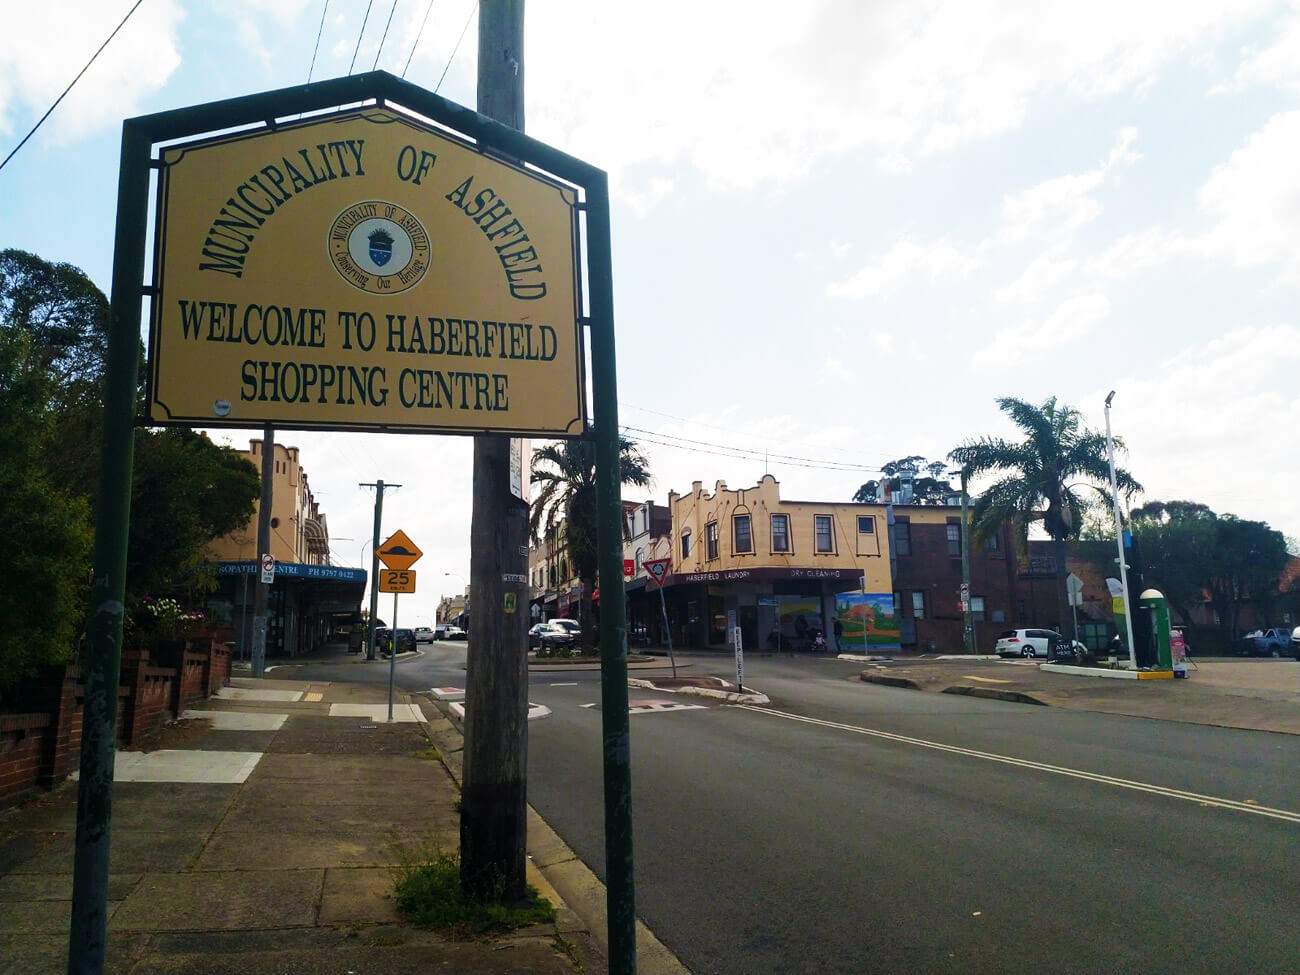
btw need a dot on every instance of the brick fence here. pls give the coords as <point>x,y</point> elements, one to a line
<point>40,746</point>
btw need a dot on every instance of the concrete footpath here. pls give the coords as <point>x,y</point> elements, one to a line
<point>1259,695</point>
<point>260,833</point>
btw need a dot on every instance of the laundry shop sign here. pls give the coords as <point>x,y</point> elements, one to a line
<point>364,270</point>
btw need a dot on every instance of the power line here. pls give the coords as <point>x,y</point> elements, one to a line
<point>418,35</point>
<point>319,30</point>
<point>391,10</point>
<point>360,34</point>
<point>15,149</point>
<point>745,453</point>
<point>457,47</point>
<point>697,423</point>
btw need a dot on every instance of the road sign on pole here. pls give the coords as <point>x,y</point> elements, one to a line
<point>1074,588</point>
<point>268,569</point>
<point>658,569</point>
<point>399,552</point>
<point>397,580</point>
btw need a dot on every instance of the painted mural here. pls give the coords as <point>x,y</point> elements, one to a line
<point>866,621</point>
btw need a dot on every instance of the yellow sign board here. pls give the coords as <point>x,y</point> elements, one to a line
<point>397,580</point>
<point>399,552</point>
<point>364,270</point>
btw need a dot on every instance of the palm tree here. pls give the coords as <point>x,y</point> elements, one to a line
<point>566,473</point>
<point>1041,473</point>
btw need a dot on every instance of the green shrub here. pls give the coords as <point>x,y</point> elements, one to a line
<point>428,893</point>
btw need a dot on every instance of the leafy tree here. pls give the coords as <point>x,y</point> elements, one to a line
<point>934,489</point>
<point>566,473</point>
<point>1040,477</point>
<point>63,316</point>
<point>45,543</point>
<point>185,492</point>
<point>1176,539</point>
<point>1245,563</point>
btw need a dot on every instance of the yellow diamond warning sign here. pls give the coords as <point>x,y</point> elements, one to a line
<point>399,552</point>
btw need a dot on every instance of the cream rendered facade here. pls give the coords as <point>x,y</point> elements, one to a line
<point>737,553</point>
<point>298,530</point>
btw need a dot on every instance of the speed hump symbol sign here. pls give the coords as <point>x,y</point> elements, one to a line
<point>399,552</point>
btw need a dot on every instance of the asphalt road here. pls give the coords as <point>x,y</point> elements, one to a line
<point>856,828</point>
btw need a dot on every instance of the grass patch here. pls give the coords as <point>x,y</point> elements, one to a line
<point>428,894</point>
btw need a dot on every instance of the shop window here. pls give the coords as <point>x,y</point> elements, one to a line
<point>902,537</point>
<point>823,538</point>
<point>954,539</point>
<point>780,533</point>
<point>711,539</point>
<point>686,545</point>
<point>741,534</point>
<point>866,525</point>
<point>977,609</point>
<point>918,605</point>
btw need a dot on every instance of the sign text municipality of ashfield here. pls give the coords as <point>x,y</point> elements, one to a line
<point>364,271</point>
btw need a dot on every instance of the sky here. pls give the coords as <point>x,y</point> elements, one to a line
<point>840,230</point>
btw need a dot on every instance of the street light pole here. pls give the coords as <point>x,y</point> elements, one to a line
<point>968,615</point>
<point>1119,536</point>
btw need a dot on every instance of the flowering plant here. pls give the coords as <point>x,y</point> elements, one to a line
<point>166,618</point>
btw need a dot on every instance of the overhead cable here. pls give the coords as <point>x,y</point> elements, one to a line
<point>391,11</point>
<point>15,149</point>
<point>360,34</point>
<point>418,35</point>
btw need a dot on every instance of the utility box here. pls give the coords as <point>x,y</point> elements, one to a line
<point>1153,600</point>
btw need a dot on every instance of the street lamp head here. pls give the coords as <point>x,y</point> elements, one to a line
<point>1110,397</point>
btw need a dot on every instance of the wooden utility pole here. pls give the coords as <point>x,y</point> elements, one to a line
<point>493,824</point>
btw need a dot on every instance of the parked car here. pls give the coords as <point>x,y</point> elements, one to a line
<point>1265,643</point>
<point>448,631</point>
<point>560,633</point>
<point>1036,643</point>
<point>405,640</point>
<point>534,635</point>
<point>383,637</point>
<point>423,634</point>
<point>1295,643</point>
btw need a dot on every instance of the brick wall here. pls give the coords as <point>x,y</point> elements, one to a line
<point>41,746</point>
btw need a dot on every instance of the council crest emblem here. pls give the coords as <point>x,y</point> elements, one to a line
<point>379,247</point>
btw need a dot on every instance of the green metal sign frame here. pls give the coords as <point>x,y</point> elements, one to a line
<point>88,938</point>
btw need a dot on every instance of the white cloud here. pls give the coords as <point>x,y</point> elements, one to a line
<point>939,259</point>
<point>1255,197</point>
<point>1043,274</point>
<point>1141,250</point>
<point>756,92</point>
<point>1059,206</point>
<point>1072,320</point>
<point>1205,420</point>
<point>137,62</point>
<point>1278,64</point>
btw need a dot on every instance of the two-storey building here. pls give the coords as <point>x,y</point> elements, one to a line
<point>782,571</point>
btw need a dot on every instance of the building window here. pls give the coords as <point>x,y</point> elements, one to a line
<point>977,609</point>
<point>740,532</point>
<point>1020,610</point>
<point>902,538</point>
<point>954,539</point>
<point>640,554</point>
<point>686,545</point>
<point>866,525</point>
<point>993,544</point>
<point>780,533</point>
<point>918,605</point>
<point>711,539</point>
<point>825,541</point>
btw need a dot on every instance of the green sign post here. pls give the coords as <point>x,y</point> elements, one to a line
<point>322,287</point>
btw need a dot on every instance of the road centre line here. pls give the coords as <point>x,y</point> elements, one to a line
<point>1246,807</point>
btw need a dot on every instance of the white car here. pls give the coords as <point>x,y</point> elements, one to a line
<point>423,634</point>
<point>448,631</point>
<point>1029,643</point>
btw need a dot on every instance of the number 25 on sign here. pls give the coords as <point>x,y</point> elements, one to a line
<point>396,580</point>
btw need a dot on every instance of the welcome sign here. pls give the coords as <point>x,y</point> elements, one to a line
<point>364,270</point>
